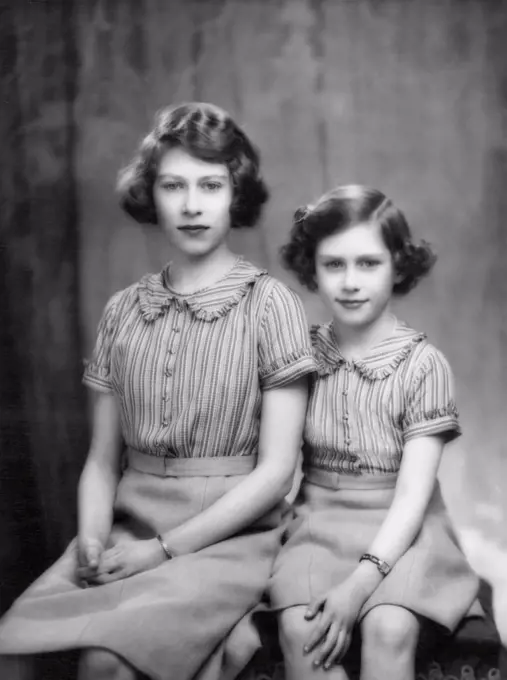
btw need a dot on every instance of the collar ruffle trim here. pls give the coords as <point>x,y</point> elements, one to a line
<point>208,304</point>
<point>379,363</point>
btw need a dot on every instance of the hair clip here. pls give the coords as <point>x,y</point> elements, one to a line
<point>301,214</point>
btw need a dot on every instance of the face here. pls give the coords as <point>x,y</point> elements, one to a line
<point>355,275</point>
<point>193,200</point>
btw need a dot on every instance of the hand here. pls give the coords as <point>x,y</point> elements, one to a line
<point>335,615</point>
<point>89,551</point>
<point>128,558</point>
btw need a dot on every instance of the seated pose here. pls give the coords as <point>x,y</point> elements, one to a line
<point>194,369</point>
<point>370,544</point>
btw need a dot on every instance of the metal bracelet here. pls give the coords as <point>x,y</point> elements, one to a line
<point>164,547</point>
<point>381,565</point>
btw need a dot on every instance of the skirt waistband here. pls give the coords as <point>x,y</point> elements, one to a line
<point>338,480</point>
<point>165,466</point>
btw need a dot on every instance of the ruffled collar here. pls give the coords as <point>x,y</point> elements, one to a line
<point>155,295</point>
<point>381,360</point>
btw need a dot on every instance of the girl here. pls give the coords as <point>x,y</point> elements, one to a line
<point>193,370</point>
<point>370,543</point>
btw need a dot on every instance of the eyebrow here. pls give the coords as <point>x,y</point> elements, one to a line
<point>166,175</point>
<point>326,256</point>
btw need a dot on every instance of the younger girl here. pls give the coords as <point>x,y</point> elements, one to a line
<point>193,370</point>
<point>370,543</point>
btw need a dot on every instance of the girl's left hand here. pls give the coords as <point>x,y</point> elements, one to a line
<point>335,614</point>
<point>128,558</point>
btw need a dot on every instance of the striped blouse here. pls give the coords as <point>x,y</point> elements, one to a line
<point>189,370</point>
<point>362,412</point>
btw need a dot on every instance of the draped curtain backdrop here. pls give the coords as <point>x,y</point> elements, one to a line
<point>406,95</point>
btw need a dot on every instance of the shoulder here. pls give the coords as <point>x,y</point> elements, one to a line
<point>275,292</point>
<point>426,360</point>
<point>122,302</point>
<point>425,355</point>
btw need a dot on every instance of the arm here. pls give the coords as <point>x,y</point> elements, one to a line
<point>430,420</point>
<point>255,495</point>
<point>416,481</point>
<point>336,612</point>
<point>99,479</point>
<point>265,486</point>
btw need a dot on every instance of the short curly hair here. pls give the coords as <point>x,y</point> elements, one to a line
<point>345,207</point>
<point>208,133</point>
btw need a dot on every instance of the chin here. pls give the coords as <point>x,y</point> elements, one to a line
<point>354,319</point>
<point>196,252</point>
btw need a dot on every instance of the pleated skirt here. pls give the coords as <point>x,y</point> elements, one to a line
<point>336,517</point>
<point>187,619</point>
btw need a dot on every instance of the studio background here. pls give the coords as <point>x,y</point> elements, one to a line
<point>406,95</point>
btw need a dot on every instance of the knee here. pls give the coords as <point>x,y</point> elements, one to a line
<point>99,664</point>
<point>390,629</point>
<point>294,630</point>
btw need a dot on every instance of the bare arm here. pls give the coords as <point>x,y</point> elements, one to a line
<point>339,608</point>
<point>416,481</point>
<point>99,479</point>
<point>282,420</point>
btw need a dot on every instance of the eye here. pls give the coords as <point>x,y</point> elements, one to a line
<point>212,186</point>
<point>333,264</point>
<point>369,263</point>
<point>171,185</point>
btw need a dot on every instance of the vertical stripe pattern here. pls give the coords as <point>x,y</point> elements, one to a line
<point>361,413</point>
<point>189,371</point>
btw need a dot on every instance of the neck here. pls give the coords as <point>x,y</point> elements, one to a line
<point>354,342</point>
<point>188,275</point>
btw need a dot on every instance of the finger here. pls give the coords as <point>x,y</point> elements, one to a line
<point>314,608</point>
<point>111,561</point>
<point>327,646</point>
<point>319,632</point>
<point>340,649</point>
<point>93,555</point>
<point>85,577</point>
<point>85,573</point>
<point>111,577</point>
<point>88,551</point>
<point>344,647</point>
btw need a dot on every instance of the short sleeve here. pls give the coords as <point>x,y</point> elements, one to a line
<point>285,350</point>
<point>97,373</point>
<point>431,406</point>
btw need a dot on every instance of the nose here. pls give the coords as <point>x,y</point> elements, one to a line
<point>191,204</point>
<point>350,280</point>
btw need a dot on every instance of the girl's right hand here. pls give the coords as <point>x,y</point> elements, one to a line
<point>335,615</point>
<point>89,551</point>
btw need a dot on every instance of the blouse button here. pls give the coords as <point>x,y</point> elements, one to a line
<point>345,416</point>
<point>164,422</point>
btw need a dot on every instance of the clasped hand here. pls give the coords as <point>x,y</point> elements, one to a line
<point>96,566</point>
<point>334,615</point>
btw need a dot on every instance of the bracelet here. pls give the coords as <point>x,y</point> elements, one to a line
<point>381,565</point>
<point>164,547</point>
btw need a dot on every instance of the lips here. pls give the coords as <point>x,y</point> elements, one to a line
<point>193,228</point>
<point>352,304</point>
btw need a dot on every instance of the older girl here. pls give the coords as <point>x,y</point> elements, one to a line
<point>193,370</point>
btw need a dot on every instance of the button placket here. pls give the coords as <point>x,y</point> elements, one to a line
<point>170,359</point>
<point>345,409</point>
